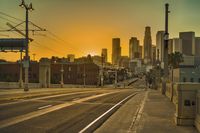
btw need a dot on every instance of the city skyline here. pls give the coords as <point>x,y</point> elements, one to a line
<point>86,28</point>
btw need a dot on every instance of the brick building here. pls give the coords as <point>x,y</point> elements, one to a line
<point>10,72</point>
<point>73,73</point>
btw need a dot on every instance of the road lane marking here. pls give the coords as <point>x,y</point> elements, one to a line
<point>75,99</point>
<point>21,118</point>
<point>45,97</point>
<point>43,107</point>
<point>97,119</point>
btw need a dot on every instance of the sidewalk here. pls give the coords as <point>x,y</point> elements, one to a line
<point>154,115</point>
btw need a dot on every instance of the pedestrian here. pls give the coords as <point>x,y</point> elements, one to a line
<point>146,80</point>
<point>150,82</point>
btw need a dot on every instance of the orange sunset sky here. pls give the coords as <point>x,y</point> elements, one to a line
<point>86,26</point>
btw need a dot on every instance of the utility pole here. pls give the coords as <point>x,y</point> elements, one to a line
<point>27,58</point>
<point>166,38</point>
<point>62,75</point>
<point>101,74</point>
<point>21,69</point>
<point>84,75</point>
<point>116,78</point>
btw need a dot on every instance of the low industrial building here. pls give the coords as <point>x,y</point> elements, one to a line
<point>46,73</point>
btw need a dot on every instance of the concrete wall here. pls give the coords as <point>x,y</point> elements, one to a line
<point>9,85</point>
<point>186,103</point>
<point>197,118</point>
<point>186,74</point>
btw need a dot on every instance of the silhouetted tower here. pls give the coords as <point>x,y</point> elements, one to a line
<point>116,51</point>
<point>160,45</point>
<point>147,45</point>
<point>133,48</point>
<point>104,53</point>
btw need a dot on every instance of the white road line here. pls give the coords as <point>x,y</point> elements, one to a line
<point>93,122</point>
<point>75,99</point>
<point>45,106</point>
<point>44,97</point>
<point>21,118</point>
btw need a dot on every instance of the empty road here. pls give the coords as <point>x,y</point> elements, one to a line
<point>80,111</point>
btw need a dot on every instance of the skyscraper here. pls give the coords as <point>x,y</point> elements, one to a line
<point>170,46</point>
<point>147,45</point>
<point>133,48</point>
<point>153,54</point>
<point>104,53</point>
<point>177,45</point>
<point>140,52</point>
<point>197,46</point>
<point>116,50</point>
<point>188,42</point>
<point>160,45</point>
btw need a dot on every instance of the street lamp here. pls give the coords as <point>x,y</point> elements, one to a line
<point>166,39</point>
<point>28,7</point>
<point>62,75</point>
<point>26,63</point>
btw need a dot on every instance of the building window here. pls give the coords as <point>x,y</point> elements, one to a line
<point>184,79</point>
<point>192,80</point>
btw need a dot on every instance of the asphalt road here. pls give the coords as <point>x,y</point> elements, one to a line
<point>70,112</point>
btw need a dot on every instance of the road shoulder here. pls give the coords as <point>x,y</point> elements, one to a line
<point>153,113</point>
<point>121,121</point>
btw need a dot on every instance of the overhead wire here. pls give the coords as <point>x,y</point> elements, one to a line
<point>51,33</point>
<point>62,40</point>
<point>54,37</point>
<point>5,14</point>
<point>40,45</point>
<point>8,20</point>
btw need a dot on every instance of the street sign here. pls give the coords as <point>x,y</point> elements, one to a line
<point>12,44</point>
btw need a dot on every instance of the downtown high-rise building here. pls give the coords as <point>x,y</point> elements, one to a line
<point>133,48</point>
<point>116,50</point>
<point>197,46</point>
<point>104,53</point>
<point>160,46</point>
<point>140,51</point>
<point>147,45</point>
<point>170,46</point>
<point>177,45</point>
<point>188,43</point>
<point>153,54</point>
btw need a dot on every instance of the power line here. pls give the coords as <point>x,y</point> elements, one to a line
<point>40,45</point>
<point>55,39</point>
<point>8,20</point>
<point>61,40</point>
<point>5,14</point>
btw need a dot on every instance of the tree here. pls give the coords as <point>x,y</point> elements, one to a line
<point>174,59</point>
